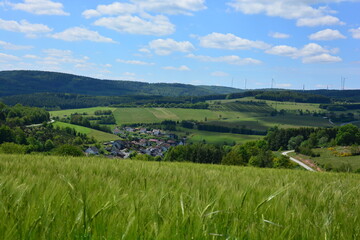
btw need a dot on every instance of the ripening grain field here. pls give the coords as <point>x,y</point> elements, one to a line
<point>44,197</point>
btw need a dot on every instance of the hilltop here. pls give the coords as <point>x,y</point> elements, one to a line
<point>28,82</point>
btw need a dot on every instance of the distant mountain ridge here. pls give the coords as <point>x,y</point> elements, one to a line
<point>28,82</point>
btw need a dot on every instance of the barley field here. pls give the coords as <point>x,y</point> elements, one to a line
<point>44,197</point>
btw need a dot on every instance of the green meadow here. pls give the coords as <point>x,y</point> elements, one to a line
<point>215,137</point>
<point>46,197</point>
<point>98,135</point>
<point>88,111</point>
<point>330,158</point>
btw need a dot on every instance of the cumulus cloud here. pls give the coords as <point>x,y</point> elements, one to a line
<point>232,59</point>
<point>279,35</point>
<point>10,46</point>
<point>322,58</point>
<point>319,21</point>
<point>40,7</point>
<point>219,74</point>
<point>6,57</point>
<point>230,41</point>
<point>326,35</point>
<point>308,13</point>
<point>168,46</point>
<point>81,34</point>
<point>30,29</point>
<point>116,8</point>
<point>134,62</point>
<point>58,56</point>
<point>172,7</point>
<point>310,53</point>
<point>181,68</point>
<point>355,32</point>
<point>136,16</point>
<point>153,25</point>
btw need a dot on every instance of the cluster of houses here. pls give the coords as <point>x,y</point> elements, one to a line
<point>153,142</point>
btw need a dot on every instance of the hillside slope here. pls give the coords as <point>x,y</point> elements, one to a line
<point>28,82</point>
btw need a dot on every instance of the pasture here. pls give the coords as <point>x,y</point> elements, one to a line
<point>329,158</point>
<point>45,197</point>
<point>87,111</point>
<point>215,137</point>
<point>98,135</point>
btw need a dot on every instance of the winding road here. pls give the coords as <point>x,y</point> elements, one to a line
<point>39,124</point>
<point>297,161</point>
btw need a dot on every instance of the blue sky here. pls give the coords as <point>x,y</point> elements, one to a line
<point>298,43</point>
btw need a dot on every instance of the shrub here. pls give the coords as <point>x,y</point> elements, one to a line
<point>12,148</point>
<point>68,150</point>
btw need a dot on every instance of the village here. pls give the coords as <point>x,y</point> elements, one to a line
<point>138,140</point>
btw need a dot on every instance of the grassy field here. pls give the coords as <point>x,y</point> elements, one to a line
<point>216,138</point>
<point>98,135</point>
<point>88,111</point>
<point>95,198</point>
<point>328,157</point>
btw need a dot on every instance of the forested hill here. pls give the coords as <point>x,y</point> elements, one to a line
<point>28,82</point>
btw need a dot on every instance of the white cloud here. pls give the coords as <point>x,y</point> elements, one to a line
<point>181,68</point>
<point>135,62</point>
<point>326,35</point>
<point>144,50</point>
<point>10,46</point>
<point>279,35</point>
<point>319,21</point>
<point>233,59</point>
<point>290,9</point>
<point>59,56</point>
<point>6,57</point>
<point>310,53</point>
<point>168,46</point>
<point>153,25</point>
<point>355,32</point>
<point>230,41</point>
<point>172,7</point>
<point>283,85</point>
<point>30,56</point>
<point>322,58</point>
<point>31,30</point>
<point>116,8</point>
<point>283,50</point>
<point>81,34</point>
<point>40,7</point>
<point>308,12</point>
<point>219,74</point>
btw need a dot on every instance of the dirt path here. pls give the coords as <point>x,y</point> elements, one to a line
<point>297,161</point>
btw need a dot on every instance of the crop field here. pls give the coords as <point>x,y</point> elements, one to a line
<point>327,157</point>
<point>263,123</point>
<point>44,197</point>
<point>289,106</point>
<point>98,135</point>
<point>88,111</point>
<point>153,115</point>
<point>238,106</point>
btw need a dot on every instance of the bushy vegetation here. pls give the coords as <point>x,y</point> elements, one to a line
<point>92,198</point>
<point>252,153</point>
<point>19,115</point>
